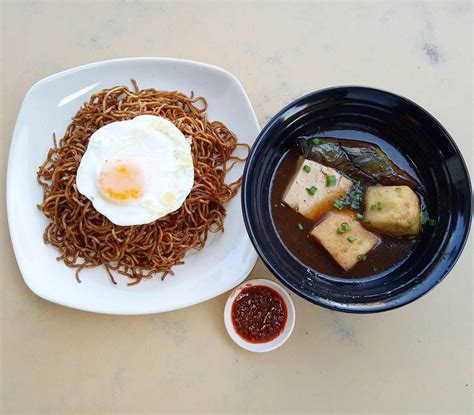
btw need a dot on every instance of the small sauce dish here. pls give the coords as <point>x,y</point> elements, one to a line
<point>253,301</point>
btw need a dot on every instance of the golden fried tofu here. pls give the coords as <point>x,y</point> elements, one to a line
<point>314,188</point>
<point>342,235</point>
<point>394,210</point>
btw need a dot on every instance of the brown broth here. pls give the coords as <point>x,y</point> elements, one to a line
<point>387,254</point>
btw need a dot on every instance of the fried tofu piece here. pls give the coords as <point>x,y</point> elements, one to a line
<point>342,235</point>
<point>314,188</point>
<point>394,210</point>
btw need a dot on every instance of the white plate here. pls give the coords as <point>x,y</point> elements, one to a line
<point>48,107</point>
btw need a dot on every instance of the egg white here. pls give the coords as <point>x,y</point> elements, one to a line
<point>161,149</point>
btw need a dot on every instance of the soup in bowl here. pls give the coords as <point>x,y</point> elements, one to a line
<point>356,199</point>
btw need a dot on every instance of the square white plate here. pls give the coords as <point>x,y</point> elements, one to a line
<point>48,107</point>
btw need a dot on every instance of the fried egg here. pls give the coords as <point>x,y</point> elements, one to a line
<point>136,171</point>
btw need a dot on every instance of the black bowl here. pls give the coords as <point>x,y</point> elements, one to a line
<point>421,138</point>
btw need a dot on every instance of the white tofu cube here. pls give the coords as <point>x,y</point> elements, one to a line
<point>311,193</point>
<point>346,240</point>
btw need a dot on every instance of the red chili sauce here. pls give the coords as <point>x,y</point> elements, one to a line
<point>259,314</point>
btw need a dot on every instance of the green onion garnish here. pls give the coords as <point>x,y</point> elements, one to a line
<point>351,239</point>
<point>376,206</point>
<point>360,216</point>
<point>353,198</point>
<point>300,226</point>
<point>306,168</point>
<point>361,257</point>
<point>338,204</point>
<point>345,227</point>
<point>330,180</point>
<point>315,141</point>
<point>424,218</point>
<point>311,190</point>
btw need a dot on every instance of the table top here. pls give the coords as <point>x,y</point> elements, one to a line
<point>414,359</point>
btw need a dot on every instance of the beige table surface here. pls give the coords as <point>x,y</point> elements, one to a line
<point>412,360</point>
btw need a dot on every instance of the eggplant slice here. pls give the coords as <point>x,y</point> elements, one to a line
<point>360,161</point>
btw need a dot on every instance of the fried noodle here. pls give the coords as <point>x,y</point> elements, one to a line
<point>85,238</point>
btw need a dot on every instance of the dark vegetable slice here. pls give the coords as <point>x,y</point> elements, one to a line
<point>359,160</point>
<point>332,155</point>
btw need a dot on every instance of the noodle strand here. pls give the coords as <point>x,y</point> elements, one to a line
<point>85,238</point>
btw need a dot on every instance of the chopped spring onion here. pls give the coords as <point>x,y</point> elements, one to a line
<point>351,238</point>
<point>300,226</point>
<point>330,180</point>
<point>338,204</point>
<point>306,168</point>
<point>311,190</point>
<point>376,206</point>
<point>353,198</point>
<point>361,257</point>
<point>345,227</point>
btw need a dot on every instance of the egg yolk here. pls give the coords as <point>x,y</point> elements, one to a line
<point>122,179</point>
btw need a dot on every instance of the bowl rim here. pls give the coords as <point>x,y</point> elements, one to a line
<point>404,297</point>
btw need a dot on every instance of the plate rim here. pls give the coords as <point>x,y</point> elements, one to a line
<point>15,242</point>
